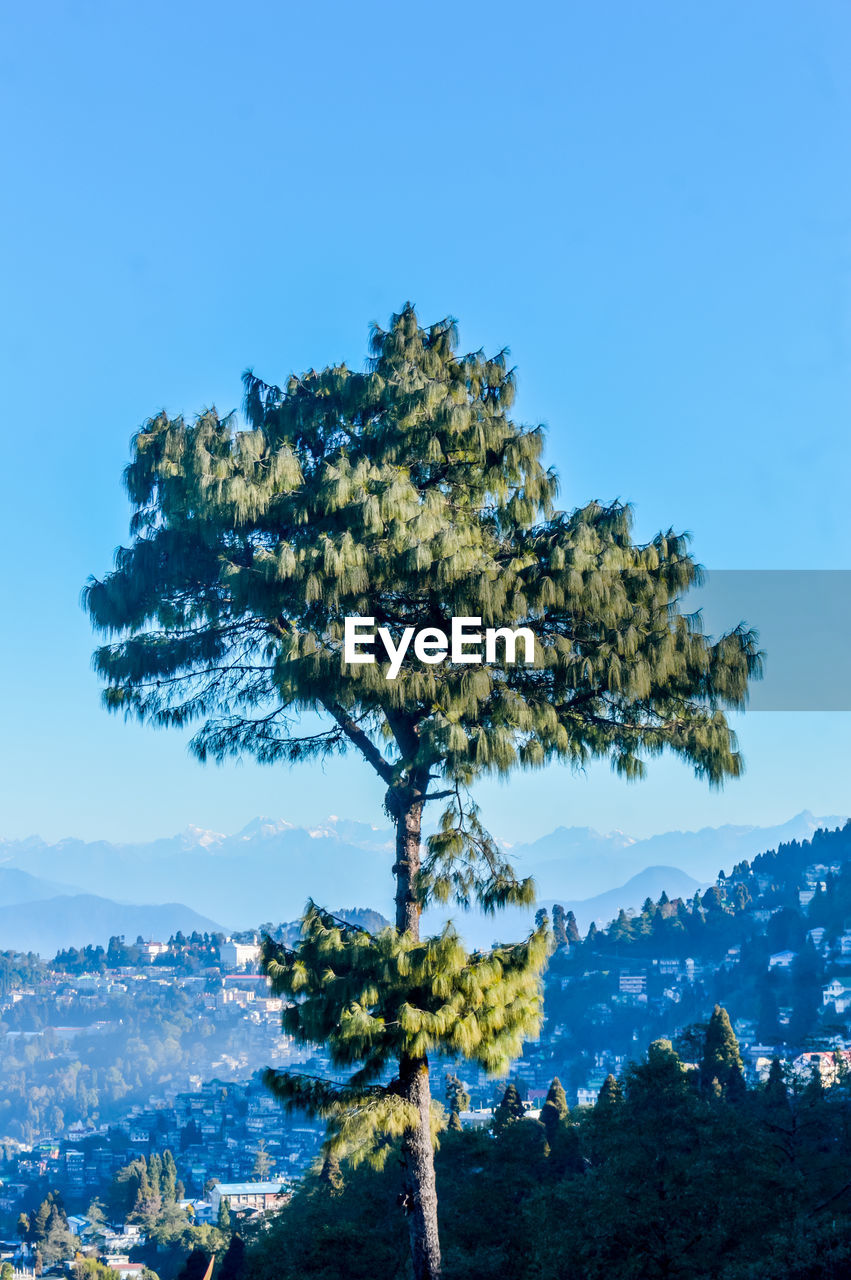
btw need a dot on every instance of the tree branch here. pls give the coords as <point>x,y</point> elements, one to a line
<point>360,739</point>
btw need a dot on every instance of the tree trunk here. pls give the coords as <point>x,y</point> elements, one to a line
<point>406,806</point>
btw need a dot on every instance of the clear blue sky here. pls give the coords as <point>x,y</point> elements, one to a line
<point>650,204</point>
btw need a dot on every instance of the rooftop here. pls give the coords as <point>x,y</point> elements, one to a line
<point>250,1188</point>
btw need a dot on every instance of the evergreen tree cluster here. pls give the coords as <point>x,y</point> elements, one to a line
<point>677,1171</point>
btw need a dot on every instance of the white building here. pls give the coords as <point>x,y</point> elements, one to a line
<point>837,993</point>
<point>633,984</point>
<point>782,960</point>
<point>238,955</point>
<point>149,951</point>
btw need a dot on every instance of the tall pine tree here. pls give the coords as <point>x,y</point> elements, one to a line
<point>721,1058</point>
<point>405,493</point>
<point>555,1110</point>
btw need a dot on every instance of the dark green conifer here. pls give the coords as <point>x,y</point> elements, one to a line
<point>555,1111</point>
<point>736,1090</point>
<point>457,1100</point>
<point>509,1109</point>
<point>774,1089</point>
<point>611,1093</point>
<point>331,1175</point>
<point>721,1055</point>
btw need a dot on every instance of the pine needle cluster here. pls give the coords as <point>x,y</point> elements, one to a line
<point>375,999</point>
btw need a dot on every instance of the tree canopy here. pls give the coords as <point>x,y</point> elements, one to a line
<point>405,493</point>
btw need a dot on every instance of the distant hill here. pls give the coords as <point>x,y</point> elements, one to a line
<point>578,862</point>
<point>270,868</point>
<point>19,886</point>
<point>266,871</point>
<point>649,883</point>
<point>47,925</point>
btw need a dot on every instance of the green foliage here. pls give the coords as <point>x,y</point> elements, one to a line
<point>508,1110</point>
<point>722,1061</point>
<point>457,1099</point>
<point>373,999</point>
<point>555,1110</point>
<point>92,1269</point>
<point>49,1230</point>
<point>686,1185</point>
<point>408,494</point>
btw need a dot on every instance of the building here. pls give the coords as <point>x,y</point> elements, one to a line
<point>838,994</point>
<point>829,1064</point>
<point>149,951</point>
<point>238,955</point>
<point>632,984</point>
<point>126,1270</point>
<point>480,1118</point>
<point>782,960</point>
<point>248,1195</point>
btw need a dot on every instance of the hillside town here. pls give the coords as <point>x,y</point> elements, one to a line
<point>771,941</point>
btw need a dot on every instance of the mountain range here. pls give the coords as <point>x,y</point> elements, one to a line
<point>267,871</point>
<point>47,924</point>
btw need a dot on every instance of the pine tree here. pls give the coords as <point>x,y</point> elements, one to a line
<point>508,1110</point>
<point>610,1095</point>
<point>571,928</point>
<point>41,1221</point>
<point>457,1099</point>
<point>555,1111</point>
<point>331,1175</point>
<point>223,1219</point>
<point>721,1057</point>
<point>774,1090</point>
<point>406,494</point>
<point>560,938</point>
<point>168,1178</point>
